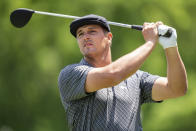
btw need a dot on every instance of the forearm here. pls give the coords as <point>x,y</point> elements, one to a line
<point>125,66</point>
<point>130,63</point>
<point>176,72</point>
<point>118,70</point>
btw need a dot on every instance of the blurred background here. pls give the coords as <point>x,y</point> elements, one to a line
<point>32,57</point>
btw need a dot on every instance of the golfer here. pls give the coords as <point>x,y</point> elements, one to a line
<point>99,94</point>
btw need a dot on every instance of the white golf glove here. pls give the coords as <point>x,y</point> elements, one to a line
<point>167,42</point>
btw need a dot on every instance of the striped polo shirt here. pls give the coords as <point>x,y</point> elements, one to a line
<point>109,109</point>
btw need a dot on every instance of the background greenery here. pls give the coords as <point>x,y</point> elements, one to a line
<point>32,57</point>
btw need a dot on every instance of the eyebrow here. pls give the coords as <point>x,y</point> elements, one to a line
<point>88,28</point>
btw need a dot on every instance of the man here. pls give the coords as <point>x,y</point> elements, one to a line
<point>101,95</point>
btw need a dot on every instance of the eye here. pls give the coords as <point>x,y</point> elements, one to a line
<point>80,34</point>
<point>92,32</point>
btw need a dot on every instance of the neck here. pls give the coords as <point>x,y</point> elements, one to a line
<point>100,61</point>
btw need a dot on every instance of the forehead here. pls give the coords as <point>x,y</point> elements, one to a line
<point>88,27</point>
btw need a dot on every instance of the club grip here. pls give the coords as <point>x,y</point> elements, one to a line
<point>137,27</point>
<point>168,33</point>
<point>140,27</point>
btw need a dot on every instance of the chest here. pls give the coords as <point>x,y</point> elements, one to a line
<point>123,93</point>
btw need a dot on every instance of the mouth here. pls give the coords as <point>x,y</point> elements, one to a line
<point>88,44</point>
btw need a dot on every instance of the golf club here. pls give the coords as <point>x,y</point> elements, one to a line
<point>21,16</point>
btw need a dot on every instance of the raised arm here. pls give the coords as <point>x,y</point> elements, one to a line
<point>125,66</point>
<point>175,84</point>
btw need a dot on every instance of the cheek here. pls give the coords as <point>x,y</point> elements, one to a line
<point>104,42</point>
<point>80,47</point>
<point>79,43</point>
<point>81,50</point>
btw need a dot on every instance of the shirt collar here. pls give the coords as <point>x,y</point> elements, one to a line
<point>84,62</point>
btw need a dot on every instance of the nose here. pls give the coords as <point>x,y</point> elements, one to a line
<point>86,36</point>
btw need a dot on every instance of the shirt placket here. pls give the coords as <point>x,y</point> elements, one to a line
<point>109,105</point>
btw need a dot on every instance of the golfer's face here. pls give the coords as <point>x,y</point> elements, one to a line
<point>91,40</point>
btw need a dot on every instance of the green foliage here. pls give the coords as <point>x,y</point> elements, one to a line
<point>32,57</point>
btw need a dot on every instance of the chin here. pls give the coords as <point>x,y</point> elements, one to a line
<point>90,51</point>
<point>90,54</point>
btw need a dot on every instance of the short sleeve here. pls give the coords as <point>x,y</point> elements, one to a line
<point>146,84</point>
<point>71,82</point>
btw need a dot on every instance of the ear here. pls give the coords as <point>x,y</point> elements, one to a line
<point>109,36</point>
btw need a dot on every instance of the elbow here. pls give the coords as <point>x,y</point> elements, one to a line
<point>178,90</point>
<point>182,91</point>
<point>115,77</point>
<point>184,88</point>
<point>117,74</point>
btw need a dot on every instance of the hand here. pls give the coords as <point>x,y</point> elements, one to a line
<point>167,42</point>
<point>150,32</point>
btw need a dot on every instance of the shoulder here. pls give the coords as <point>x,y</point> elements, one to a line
<point>138,75</point>
<point>73,70</point>
<point>71,81</point>
<point>69,68</point>
<point>143,77</point>
<point>146,79</point>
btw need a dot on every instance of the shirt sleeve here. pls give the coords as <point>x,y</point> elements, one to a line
<point>72,80</point>
<point>146,84</point>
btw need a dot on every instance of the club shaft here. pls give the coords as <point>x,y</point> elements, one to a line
<point>137,27</point>
<point>57,15</point>
<point>119,24</point>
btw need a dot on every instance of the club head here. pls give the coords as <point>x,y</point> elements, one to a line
<point>20,17</point>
